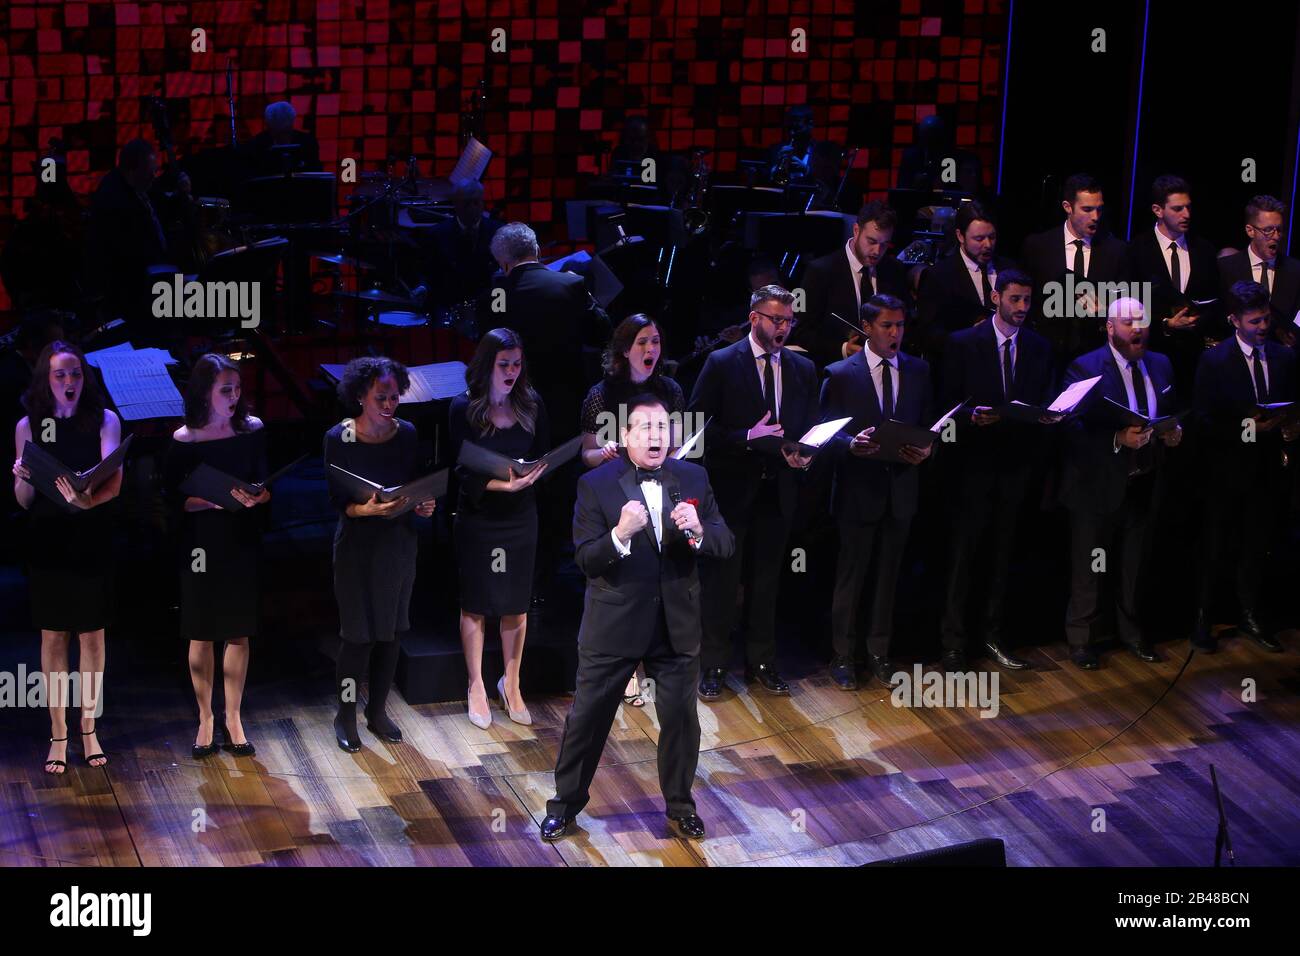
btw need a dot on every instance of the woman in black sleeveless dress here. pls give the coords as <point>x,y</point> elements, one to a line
<point>496,520</point>
<point>219,549</point>
<point>374,556</point>
<point>632,368</point>
<point>69,554</point>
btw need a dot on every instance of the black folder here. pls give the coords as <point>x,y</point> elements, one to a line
<point>46,470</point>
<point>1125,417</point>
<point>892,435</point>
<point>432,485</point>
<point>212,484</point>
<point>1290,411</point>
<point>809,444</point>
<point>484,461</point>
<point>1022,412</point>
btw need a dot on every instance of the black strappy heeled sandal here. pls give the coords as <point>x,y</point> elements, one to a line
<point>61,764</point>
<point>91,757</point>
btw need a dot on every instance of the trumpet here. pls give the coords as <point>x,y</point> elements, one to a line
<point>695,218</point>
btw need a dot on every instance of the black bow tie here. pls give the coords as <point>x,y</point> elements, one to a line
<point>649,474</point>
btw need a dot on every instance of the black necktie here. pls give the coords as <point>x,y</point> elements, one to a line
<point>648,474</point>
<point>887,391</point>
<point>1261,385</point>
<point>1078,260</point>
<point>865,289</point>
<point>1140,389</point>
<point>769,388</point>
<point>1175,267</point>
<point>1263,276</point>
<point>986,286</point>
<point>1008,376</point>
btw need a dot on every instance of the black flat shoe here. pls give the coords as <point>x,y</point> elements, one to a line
<point>1005,659</point>
<point>555,827</point>
<point>237,750</point>
<point>767,676</point>
<point>844,673</point>
<point>384,729</point>
<point>687,825</point>
<point>61,765</point>
<point>346,743</point>
<point>1143,650</point>
<point>711,683</point>
<point>1085,658</point>
<point>882,668</point>
<point>953,661</point>
<point>91,758</point>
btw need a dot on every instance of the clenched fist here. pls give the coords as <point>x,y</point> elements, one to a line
<point>631,519</point>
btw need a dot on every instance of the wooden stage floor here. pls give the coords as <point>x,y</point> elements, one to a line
<point>819,778</point>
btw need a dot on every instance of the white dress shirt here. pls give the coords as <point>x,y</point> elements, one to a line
<point>653,492</point>
<point>776,370</point>
<point>1246,350</point>
<point>875,364</point>
<point>1001,339</point>
<point>1070,239</point>
<point>1184,260</point>
<point>1254,269</point>
<point>856,267</point>
<point>1127,375</point>
<point>973,270</point>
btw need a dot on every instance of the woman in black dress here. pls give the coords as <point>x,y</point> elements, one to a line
<point>374,556</point>
<point>632,368</point>
<point>219,548</point>
<point>496,521</point>
<point>69,555</point>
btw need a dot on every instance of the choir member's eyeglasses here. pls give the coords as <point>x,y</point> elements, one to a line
<point>1269,231</point>
<point>779,320</point>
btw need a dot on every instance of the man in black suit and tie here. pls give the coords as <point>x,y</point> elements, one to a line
<point>957,291</point>
<point>1245,475</point>
<point>1072,318</point>
<point>1182,270</point>
<point>639,527</point>
<point>873,501</point>
<point>990,463</point>
<point>841,281</point>
<point>462,265</point>
<point>753,392</point>
<point>1113,481</point>
<point>1261,262</point>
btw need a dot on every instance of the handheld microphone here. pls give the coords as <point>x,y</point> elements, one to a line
<point>675,497</point>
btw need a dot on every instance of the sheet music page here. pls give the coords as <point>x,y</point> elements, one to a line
<point>1066,401</point>
<point>434,382</point>
<point>473,162</point>
<point>140,385</point>
<point>819,434</point>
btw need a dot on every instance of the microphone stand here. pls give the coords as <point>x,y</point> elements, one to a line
<point>230,99</point>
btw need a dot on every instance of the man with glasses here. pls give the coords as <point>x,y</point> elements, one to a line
<point>754,392</point>
<point>1262,262</point>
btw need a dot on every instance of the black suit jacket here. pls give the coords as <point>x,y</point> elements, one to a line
<point>624,593</point>
<point>1095,476</point>
<point>865,490</point>
<point>1283,283</point>
<point>1225,395</point>
<point>556,317</point>
<point>828,287</point>
<point>461,269</point>
<point>1044,259</point>
<point>947,302</point>
<point>730,392</point>
<point>1149,258</point>
<point>973,370</point>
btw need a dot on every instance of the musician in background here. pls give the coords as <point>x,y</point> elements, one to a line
<point>925,165</point>
<point>462,265</point>
<point>791,159</point>
<point>265,160</point>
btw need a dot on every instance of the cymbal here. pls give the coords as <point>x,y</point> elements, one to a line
<point>339,259</point>
<point>378,296</point>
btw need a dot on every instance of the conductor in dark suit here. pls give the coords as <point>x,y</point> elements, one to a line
<point>753,390</point>
<point>1182,270</point>
<point>873,501</point>
<point>957,291</point>
<point>1113,482</point>
<point>1243,446</point>
<point>842,280</point>
<point>1263,262</point>
<point>462,265</point>
<point>988,467</point>
<point>639,527</point>
<point>1070,317</point>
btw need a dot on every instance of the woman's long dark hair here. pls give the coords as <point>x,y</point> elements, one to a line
<point>198,393</point>
<point>478,376</point>
<point>615,362</point>
<point>39,401</point>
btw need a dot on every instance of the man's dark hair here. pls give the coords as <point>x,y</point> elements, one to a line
<point>1246,296</point>
<point>134,154</point>
<point>1079,183</point>
<point>970,212</point>
<point>1012,277</point>
<point>872,308</point>
<point>770,293</point>
<point>1166,186</point>
<point>1264,203</point>
<point>645,400</point>
<point>879,213</point>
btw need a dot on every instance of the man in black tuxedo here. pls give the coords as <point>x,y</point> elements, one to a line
<point>1243,452</point>
<point>842,280</point>
<point>1113,480</point>
<point>753,392</point>
<point>639,527</point>
<point>957,291</point>
<point>1070,317</point>
<point>873,501</point>
<point>1182,270</point>
<point>1261,262</point>
<point>988,467</point>
<point>462,265</point>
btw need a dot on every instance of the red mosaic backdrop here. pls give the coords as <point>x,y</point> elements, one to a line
<point>374,77</point>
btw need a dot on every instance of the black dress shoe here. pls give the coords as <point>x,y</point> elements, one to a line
<point>953,661</point>
<point>687,825</point>
<point>384,729</point>
<point>245,749</point>
<point>1144,650</point>
<point>1249,625</point>
<point>347,744</point>
<point>554,827</point>
<point>1085,658</point>
<point>711,683</point>
<point>766,675</point>
<point>1202,637</point>
<point>1005,659</point>
<point>844,673</point>
<point>882,668</point>
<point>1264,640</point>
